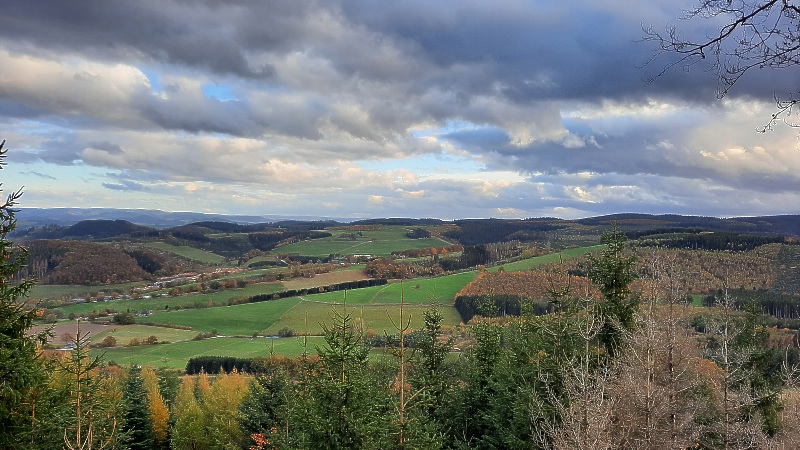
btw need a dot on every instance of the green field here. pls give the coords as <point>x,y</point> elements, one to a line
<point>228,320</point>
<point>530,263</point>
<point>309,317</point>
<point>219,298</point>
<point>177,355</point>
<point>124,334</point>
<point>440,290</point>
<point>380,242</point>
<point>55,291</point>
<point>293,313</point>
<point>187,252</point>
<point>375,308</point>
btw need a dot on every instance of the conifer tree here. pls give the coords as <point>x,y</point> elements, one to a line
<point>93,421</point>
<point>20,366</point>
<point>613,271</point>
<point>138,425</point>
<point>339,405</point>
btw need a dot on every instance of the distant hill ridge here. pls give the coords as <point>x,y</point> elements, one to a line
<point>470,232</point>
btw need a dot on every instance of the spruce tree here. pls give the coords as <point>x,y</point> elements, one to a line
<point>613,271</point>
<point>138,424</point>
<point>20,365</point>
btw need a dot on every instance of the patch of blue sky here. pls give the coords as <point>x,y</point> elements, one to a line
<point>37,127</point>
<point>41,173</point>
<point>452,126</point>
<point>478,140</point>
<point>579,127</point>
<point>153,78</point>
<point>218,91</point>
<point>427,165</point>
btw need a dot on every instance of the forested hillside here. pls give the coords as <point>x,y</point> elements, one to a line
<point>615,358</point>
<point>675,333</point>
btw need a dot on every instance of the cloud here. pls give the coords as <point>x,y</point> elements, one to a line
<point>41,175</point>
<point>525,108</point>
<point>125,186</point>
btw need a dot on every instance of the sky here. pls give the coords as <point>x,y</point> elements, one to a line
<point>357,109</point>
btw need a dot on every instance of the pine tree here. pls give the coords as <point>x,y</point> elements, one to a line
<point>93,420</point>
<point>138,425</point>
<point>338,403</point>
<point>613,271</point>
<point>20,365</point>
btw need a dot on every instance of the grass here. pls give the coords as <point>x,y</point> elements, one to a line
<point>219,298</point>
<point>442,290</point>
<point>187,252</point>
<point>530,263</point>
<point>352,273</point>
<point>293,313</point>
<point>373,308</point>
<point>124,334</point>
<point>229,320</point>
<point>379,242</point>
<point>178,354</point>
<point>309,317</point>
<point>55,291</point>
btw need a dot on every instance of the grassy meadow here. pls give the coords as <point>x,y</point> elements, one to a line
<point>531,263</point>
<point>125,333</point>
<point>219,298</point>
<point>441,290</point>
<point>178,354</point>
<point>72,290</point>
<point>187,252</point>
<point>309,317</point>
<point>228,320</point>
<point>379,242</point>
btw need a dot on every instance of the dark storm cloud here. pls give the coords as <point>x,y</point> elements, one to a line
<point>522,50</point>
<point>187,33</point>
<point>534,50</point>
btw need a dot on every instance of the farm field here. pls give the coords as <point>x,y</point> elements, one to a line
<point>530,263</point>
<point>188,252</point>
<point>353,273</point>
<point>219,298</point>
<point>55,291</point>
<point>124,333</point>
<point>441,290</point>
<point>228,320</point>
<point>176,355</point>
<point>379,242</point>
<point>375,308</point>
<point>308,317</point>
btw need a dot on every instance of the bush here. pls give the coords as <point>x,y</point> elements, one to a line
<point>285,332</point>
<point>124,319</point>
<point>108,341</point>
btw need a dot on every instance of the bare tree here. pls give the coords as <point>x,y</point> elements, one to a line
<point>760,34</point>
<point>656,384</point>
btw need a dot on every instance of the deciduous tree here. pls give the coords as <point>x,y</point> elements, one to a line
<point>749,35</point>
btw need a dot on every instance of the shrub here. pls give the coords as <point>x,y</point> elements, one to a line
<point>124,319</point>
